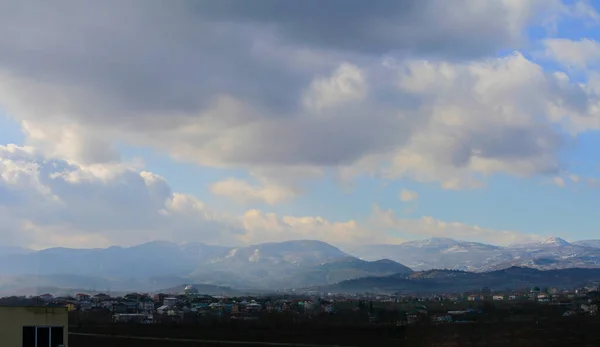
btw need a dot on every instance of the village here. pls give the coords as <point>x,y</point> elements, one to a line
<point>190,305</point>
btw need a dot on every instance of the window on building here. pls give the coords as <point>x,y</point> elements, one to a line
<point>43,336</point>
<point>56,339</point>
<point>29,337</point>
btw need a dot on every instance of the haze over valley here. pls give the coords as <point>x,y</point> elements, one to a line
<point>290,265</point>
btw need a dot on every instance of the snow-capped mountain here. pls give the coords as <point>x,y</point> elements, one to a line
<point>588,243</point>
<point>290,264</point>
<point>555,242</point>
<point>549,242</point>
<point>445,253</point>
<point>552,253</point>
<point>263,266</point>
<point>434,242</point>
<point>434,253</point>
<point>294,253</point>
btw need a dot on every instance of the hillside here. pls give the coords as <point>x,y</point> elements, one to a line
<point>449,281</point>
<point>160,264</point>
<point>446,253</point>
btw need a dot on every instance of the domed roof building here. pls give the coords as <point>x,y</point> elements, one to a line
<point>190,290</point>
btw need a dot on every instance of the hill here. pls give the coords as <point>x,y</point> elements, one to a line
<point>160,264</point>
<point>453,281</point>
<point>446,253</point>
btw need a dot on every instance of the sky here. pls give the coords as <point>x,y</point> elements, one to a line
<point>350,122</point>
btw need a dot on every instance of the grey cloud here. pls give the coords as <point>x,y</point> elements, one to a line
<point>149,72</point>
<point>153,55</point>
<point>511,143</point>
<point>455,29</point>
<point>126,58</point>
<point>322,142</point>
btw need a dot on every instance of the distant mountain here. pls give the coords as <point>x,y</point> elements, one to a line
<point>434,253</point>
<point>453,281</point>
<point>21,284</point>
<point>161,264</point>
<point>290,264</point>
<point>10,250</point>
<point>283,254</point>
<point>146,260</point>
<point>552,242</point>
<point>272,266</point>
<point>588,243</point>
<point>445,253</point>
<point>343,269</point>
<point>553,253</point>
<point>555,242</point>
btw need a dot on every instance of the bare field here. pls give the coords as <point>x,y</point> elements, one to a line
<point>564,332</point>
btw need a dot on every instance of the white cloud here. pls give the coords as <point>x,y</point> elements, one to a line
<point>112,204</point>
<point>245,193</point>
<point>576,54</point>
<point>100,206</point>
<point>46,207</point>
<point>485,117</point>
<point>347,84</point>
<point>558,181</point>
<point>431,227</point>
<point>408,195</point>
<point>269,227</point>
<point>574,178</point>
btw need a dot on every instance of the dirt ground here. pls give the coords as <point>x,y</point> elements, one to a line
<point>563,332</point>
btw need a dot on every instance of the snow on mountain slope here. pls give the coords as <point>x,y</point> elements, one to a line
<point>445,253</point>
<point>588,243</point>
<point>550,242</point>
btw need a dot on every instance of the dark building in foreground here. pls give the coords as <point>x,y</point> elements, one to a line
<point>33,326</point>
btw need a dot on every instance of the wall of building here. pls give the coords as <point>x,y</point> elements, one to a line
<point>13,319</point>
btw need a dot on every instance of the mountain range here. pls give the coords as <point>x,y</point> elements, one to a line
<point>445,253</point>
<point>456,281</point>
<point>273,266</point>
<point>160,264</point>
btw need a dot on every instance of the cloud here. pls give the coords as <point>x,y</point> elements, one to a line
<point>121,204</point>
<point>245,193</point>
<point>408,195</point>
<point>571,179</point>
<point>424,27</point>
<point>574,178</point>
<point>558,181</point>
<point>489,116</point>
<point>270,86</point>
<point>269,227</point>
<point>103,204</point>
<point>347,84</point>
<point>576,54</point>
<point>431,227</point>
<point>50,202</point>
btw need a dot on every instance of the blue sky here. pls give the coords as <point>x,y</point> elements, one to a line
<point>256,142</point>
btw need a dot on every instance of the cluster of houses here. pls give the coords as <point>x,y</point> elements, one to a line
<point>550,295</point>
<point>147,308</point>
